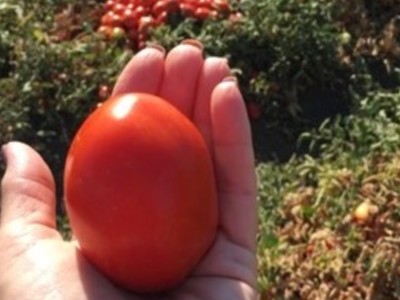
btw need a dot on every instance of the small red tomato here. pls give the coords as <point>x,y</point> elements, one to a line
<point>202,13</point>
<point>221,5</point>
<point>109,4</point>
<point>129,18</point>
<point>141,39</point>
<point>111,19</point>
<point>133,34</point>
<point>162,18</point>
<point>187,10</point>
<point>159,7</point>
<point>106,19</point>
<point>105,31</point>
<point>141,44</point>
<point>254,110</point>
<point>104,92</point>
<point>140,192</point>
<point>140,11</point>
<point>235,17</point>
<point>116,21</point>
<point>214,14</point>
<point>191,2</point>
<point>119,9</point>
<point>173,6</point>
<point>205,3</point>
<point>145,23</point>
<point>147,3</point>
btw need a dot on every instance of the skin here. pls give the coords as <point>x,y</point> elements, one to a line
<point>35,263</point>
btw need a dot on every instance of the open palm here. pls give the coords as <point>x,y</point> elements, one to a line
<point>35,263</point>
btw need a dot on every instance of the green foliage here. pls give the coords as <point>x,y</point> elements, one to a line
<point>356,132</point>
<point>278,48</point>
<point>50,87</point>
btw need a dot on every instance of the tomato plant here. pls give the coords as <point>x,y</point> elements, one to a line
<point>140,192</point>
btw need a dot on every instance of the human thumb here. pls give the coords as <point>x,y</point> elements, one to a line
<point>27,189</point>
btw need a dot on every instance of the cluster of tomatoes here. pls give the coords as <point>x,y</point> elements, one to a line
<point>134,18</point>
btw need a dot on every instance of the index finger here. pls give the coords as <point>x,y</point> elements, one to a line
<point>143,74</point>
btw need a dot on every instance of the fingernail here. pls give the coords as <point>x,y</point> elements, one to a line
<point>225,60</point>
<point>157,47</point>
<point>194,43</point>
<point>232,79</point>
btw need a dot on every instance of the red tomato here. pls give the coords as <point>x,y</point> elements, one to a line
<point>160,6</point>
<point>235,17</point>
<point>104,92</point>
<point>187,9</point>
<point>205,3</point>
<point>140,11</point>
<point>214,14</point>
<point>202,13</point>
<point>111,19</point>
<point>133,34</point>
<point>145,23</point>
<point>141,39</point>
<point>109,4</point>
<point>169,6</point>
<point>141,44</point>
<point>119,8</point>
<point>106,19</point>
<point>221,5</point>
<point>173,6</point>
<point>254,110</point>
<point>162,18</point>
<point>140,192</point>
<point>129,18</point>
<point>146,3</point>
<point>191,2</point>
<point>105,31</point>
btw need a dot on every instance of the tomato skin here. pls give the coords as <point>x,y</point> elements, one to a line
<point>221,5</point>
<point>105,31</point>
<point>129,18</point>
<point>187,10</point>
<point>162,18</point>
<point>140,11</point>
<point>160,6</point>
<point>109,4</point>
<point>119,8</point>
<point>145,23</point>
<point>111,19</point>
<point>118,33</point>
<point>140,192</point>
<point>202,13</point>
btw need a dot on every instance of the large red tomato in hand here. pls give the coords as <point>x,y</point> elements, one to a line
<point>140,192</point>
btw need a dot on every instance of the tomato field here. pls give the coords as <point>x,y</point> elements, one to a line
<point>321,83</point>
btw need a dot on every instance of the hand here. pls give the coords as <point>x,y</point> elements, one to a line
<point>35,263</point>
